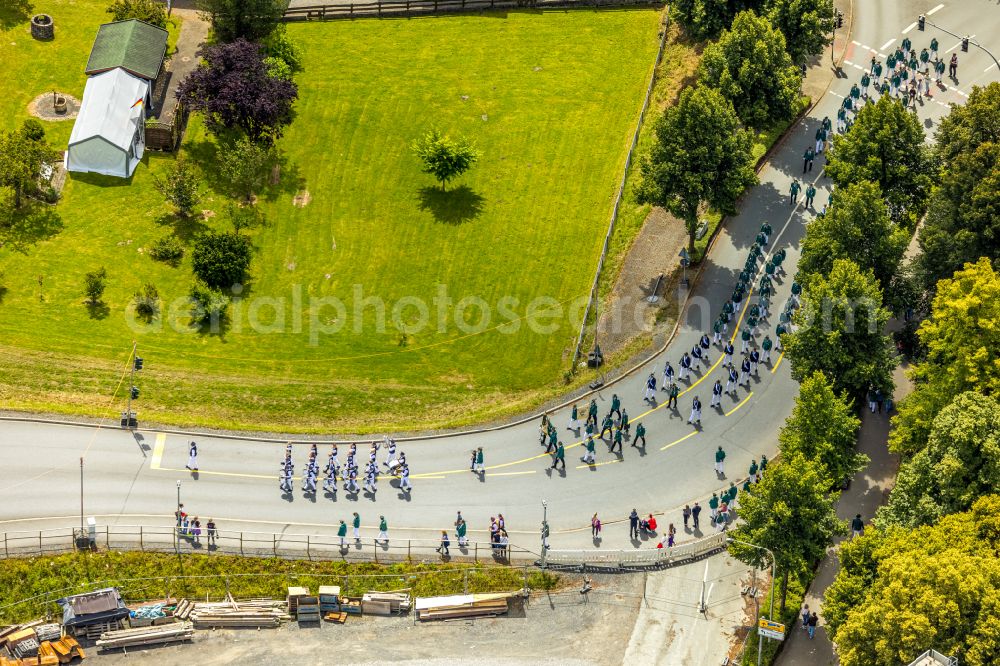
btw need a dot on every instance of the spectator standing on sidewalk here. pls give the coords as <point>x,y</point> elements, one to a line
<point>595,527</point>
<point>212,533</point>
<point>342,533</point>
<point>633,524</point>
<point>695,512</point>
<point>687,515</point>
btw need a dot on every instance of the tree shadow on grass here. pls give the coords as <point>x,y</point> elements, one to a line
<point>99,310</point>
<point>456,206</point>
<point>35,222</point>
<point>14,13</point>
<point>205,155</point>
<point>185,228</point>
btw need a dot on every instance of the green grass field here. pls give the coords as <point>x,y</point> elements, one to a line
<point>550,98</point>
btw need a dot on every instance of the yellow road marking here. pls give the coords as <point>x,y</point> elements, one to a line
<point>161,441</point>
<point>777,363</point>
<point>690,434</point>
<point>742,402</point>
<point>606,462</point>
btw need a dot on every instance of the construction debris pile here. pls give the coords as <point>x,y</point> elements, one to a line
<point>103,619</point>
<point>37,644</point>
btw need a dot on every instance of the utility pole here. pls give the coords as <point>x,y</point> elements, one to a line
<point>83,531</point>
<point>760,637</point>
<point>545,530</point>
<point>128,418</point>
<point>177,517</point>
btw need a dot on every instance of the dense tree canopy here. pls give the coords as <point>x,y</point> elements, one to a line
<point>806,24</point>
<point>750,67</point>
<point>963,218</point>
<point>701,155</point>
<point>705,19</point>
<point>790,512</point>
<point>961,337</point>
<point>235,90</point>
<point>899,592</point>
<point>840,331</point>
<point>243,19</point>
<point>960,463</point>
<point>886,146</point>
<point>823,428</point>
<point>971,124</point>
<point>856,226</point>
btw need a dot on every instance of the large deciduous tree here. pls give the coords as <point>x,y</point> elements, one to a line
<point>960,463</point>
<point>701,155</point>
<point>900,591</point>
<point>806,24</point>
<point>243,19</point>
<point>840,331</point>
<point>751,68</point>
<point>963,218</point>
<point>790,512</point>
<point>886,146</point>
<point>235,89</point>
<point>823,428</point>
<point>961,337</point>
<point>22,153</point>
<point>856,226</point>
<point>971,124</point>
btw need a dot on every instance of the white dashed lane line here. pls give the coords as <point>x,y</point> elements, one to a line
<point>934,10</point>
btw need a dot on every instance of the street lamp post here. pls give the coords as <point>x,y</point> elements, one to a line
<point>760,641</point>
<point>545,529</point>
<point>177,516</point>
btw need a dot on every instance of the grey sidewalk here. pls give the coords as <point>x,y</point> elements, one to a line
<point>869,488</point>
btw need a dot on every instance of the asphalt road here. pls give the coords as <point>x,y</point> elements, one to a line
<point>131,480</point>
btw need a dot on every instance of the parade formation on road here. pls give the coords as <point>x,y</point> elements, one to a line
<point>711,407</point>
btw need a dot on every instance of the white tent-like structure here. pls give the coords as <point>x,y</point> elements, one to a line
<point>109,134</point>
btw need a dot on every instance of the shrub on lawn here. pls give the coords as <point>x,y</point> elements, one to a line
<point>180,188</point>
<point>208,306</point>
<point>149,11</point>
<point>245,217</point>
<point>245,166</point>
<point>147,301</point>
<point>168,249</point>
<point>443,157</point>
<point>32,130</point>
<point>93,285</point>
<point>221,260</point>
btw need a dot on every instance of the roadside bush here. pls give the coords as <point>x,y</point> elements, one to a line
<point>221,260</point>
<point>168,249</point>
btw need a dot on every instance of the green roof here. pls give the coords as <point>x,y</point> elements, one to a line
<point>136,47</point>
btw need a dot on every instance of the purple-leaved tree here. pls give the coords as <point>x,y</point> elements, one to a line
<point>234,90</point>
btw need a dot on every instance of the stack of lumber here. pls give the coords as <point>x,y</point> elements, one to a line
<point>65,650</point>
<point>294,594</point>
<point>329,598</point>
<point>182,610</point>
<point>462,606</point>
<point>30,661</point>
<point>385,603</point>
<point>92,632</point>
<point>167,633</point>
<point>244,614</point>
